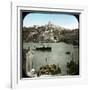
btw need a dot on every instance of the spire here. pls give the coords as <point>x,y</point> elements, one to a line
<point>50,24</point>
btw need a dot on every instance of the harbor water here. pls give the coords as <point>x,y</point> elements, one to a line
<point>56,56</point>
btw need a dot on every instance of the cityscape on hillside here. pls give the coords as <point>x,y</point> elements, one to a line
<point>50,33</point>
<point>50,44</point>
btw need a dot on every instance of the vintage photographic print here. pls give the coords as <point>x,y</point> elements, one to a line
<point>49,44</point>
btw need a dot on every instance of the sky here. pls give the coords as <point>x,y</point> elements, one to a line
<point>63,20</point>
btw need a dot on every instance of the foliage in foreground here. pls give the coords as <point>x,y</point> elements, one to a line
<point>49,70</point>
<point>73,68</point>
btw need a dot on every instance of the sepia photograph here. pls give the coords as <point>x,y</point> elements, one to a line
<point>49,44</point>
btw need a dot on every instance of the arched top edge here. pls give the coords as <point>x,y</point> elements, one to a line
<point>26,12</point>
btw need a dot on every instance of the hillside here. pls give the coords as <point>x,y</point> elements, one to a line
<point>50,34</point>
